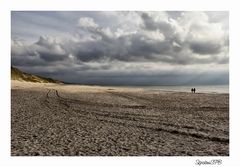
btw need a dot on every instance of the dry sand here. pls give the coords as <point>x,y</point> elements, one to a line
<point>51,119</point>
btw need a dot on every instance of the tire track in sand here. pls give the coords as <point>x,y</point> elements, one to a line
<point>133,120</point>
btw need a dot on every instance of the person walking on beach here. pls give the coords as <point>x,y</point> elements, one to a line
<point>194,90</point>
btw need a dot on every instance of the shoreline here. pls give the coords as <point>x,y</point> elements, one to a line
<point>15,83</point>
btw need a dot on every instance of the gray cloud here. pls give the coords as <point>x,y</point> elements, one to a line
<point>44,51</point>
<point>97,44</point>
<point>104,76</point>
<point>162,25</point>
<point>206,47</point>
<point>49,50</point>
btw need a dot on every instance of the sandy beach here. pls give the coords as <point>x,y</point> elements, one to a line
<point>72,120</point>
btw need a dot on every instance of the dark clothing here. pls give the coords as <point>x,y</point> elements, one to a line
<point>193,90</point>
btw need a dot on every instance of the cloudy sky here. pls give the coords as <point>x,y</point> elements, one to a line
<point>123,48</point>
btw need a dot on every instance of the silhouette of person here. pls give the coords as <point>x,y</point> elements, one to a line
<point>194,90</point>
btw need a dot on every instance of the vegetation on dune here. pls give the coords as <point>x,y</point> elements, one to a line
<point>19,75</point>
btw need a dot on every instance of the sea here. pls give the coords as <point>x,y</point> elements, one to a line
<point>199,88</point>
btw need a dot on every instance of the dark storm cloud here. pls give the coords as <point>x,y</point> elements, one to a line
<point>49,50</point>
<point>92,45</point>
<point>130,48</point>
<point>138,46</point>
<point>206,47</point>
<point>90,55</point>
<point>45,50</point>
<point>93,76</point>
<point>27,61</point>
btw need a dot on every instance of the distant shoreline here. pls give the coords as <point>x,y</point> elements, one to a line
<point>142,88</point>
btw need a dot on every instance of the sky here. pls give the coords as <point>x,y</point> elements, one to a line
<point>124,47</point>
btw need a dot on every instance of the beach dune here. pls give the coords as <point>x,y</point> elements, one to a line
<point>58,119</point>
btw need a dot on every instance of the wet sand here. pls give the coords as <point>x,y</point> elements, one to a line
<point>51,119</point>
